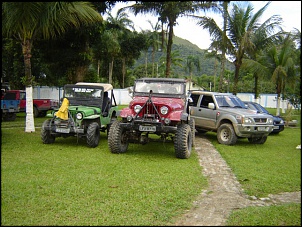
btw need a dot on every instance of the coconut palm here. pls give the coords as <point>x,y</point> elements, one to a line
<point>278,62</point>
<point>168,12</point>
<point>243,24</point>
<point>28,21</point>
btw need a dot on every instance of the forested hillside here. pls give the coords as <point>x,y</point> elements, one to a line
<point>182,49</point>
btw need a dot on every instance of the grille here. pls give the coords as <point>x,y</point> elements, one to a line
<point>149,111</point>
<point>260,120</point>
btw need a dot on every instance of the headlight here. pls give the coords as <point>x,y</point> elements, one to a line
<point>247,120</point>
<point>164,110</point>
<point>281,122</point>
<point>270,120</point>
<point>137,108</point>
<point>79,116</point>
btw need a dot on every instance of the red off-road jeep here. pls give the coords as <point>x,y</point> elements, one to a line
<point>159,107</point>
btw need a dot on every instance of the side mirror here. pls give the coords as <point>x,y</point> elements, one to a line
<point>211,106</point>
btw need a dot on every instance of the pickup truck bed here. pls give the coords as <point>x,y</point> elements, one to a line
<point>40,106</point>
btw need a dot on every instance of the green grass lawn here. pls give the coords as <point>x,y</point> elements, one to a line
<point>68,183</point>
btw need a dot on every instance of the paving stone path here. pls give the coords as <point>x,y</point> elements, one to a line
<point>224,193</point>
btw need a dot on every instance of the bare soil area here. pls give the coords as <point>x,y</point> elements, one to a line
<point>224,194</point>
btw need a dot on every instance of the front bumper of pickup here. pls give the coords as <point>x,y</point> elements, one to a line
<point>243,130</point>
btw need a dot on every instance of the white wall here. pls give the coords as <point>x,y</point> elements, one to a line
<point>123,97</point>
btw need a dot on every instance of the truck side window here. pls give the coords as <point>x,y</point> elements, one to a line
<point>22,95</point>
<point>205,101</point>
<point>195,99</point>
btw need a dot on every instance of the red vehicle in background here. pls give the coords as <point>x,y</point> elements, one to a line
<point>40,106</point>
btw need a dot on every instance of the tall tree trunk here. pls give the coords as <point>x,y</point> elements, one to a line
<point>169,48</point>
<point>256,86</point>
<point>110,71</point>
<point>29,121</point>
<point>225,15</point>
<point>236,77</point>
<point>124,71</point>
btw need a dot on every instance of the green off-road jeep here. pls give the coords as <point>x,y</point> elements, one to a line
<point>87,109</point>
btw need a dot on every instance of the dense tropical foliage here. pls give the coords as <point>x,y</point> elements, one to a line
<point>113,51</point>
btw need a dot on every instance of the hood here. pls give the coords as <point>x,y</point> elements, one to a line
<point>87,110</point>
<point>174,103</point>
<point>245,112</point>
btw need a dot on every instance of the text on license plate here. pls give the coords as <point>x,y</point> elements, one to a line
<point>63,130</point>
<point>261,129</point>
<point>147,128</point>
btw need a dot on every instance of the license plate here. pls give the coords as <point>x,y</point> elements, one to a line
<point>276,127</point>
<point>147,128</point>
<point>63,130</point>
<point>261,129</point>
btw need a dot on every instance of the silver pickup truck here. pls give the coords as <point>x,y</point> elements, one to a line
<point>227,115</point>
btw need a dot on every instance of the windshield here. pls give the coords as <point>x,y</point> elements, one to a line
<point>229,101</point>
<point>81,95</point>
<point>159,87</point>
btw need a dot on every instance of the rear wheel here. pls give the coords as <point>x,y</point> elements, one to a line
<point>257,140</point>
<point>36,112</point>
<point>9,116</point>
<point>183,141</point>
<point>46,136</point>
<point>93,134</point>
<point>226,134</point>
<point>117,138</point>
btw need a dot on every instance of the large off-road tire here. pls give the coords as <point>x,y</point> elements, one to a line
<point>183,141</point>
<point>192,126</point>
<point>117,138</point>
<point>226,134</point>
<point>46,136</point>
<point>93,134</point>
<point>9,116</point>
<point>36,111</point>
<point>257,140</point>
<point>113,119</point>
<point>42,113</point>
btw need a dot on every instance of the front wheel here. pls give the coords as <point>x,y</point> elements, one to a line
<point>192,126</point>
<point>9,116</point>
<point>183,141</point>
<point>117,138</point>
<point>257,140</point>
<point>46,136</point>
<point>226,134</point>
<point>93,134</point>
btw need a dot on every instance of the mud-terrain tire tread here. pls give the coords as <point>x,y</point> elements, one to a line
<point>9,116</point>
<point>192,126</point>
<point>226,134</point>
<point>115,139</point>
<point>257,140</point>
<point>46,136</point>
<point>35,111</point>
<point>183,141</point>
<point>93,134</point>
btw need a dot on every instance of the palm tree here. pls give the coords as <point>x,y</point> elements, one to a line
<point>242,27</point>
<point>168,12</point>
<point>277,61</point>
<point>192,61</point>
<point>119,25</point>
<point>28,21</point>
<point>154,40</point>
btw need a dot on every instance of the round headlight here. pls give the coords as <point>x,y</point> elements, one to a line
<point>164,110</point>
<point>79,116</point>
<point>137,108</point>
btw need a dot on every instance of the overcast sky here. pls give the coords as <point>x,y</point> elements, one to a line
<point>290,11</point>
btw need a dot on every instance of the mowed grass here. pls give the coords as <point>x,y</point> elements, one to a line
<point>68,183</point>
